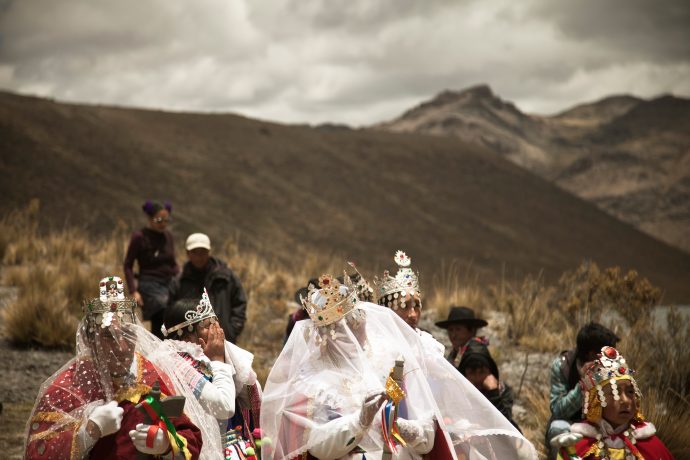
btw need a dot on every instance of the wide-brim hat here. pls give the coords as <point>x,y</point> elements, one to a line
<point>462,315</point>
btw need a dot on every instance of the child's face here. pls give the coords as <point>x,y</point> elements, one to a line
<point>621,412</point>
<point>477,376</point>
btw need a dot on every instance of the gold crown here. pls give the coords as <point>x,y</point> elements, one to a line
<point>364,291</point>
<point>330,301</point>
<point>111,302</point>
<point>389,288</point>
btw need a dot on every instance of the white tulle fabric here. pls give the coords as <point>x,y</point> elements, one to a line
<point>108,359</point>
<point>323,375</point>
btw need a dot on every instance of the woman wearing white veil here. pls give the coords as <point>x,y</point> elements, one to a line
<point>324,395</point>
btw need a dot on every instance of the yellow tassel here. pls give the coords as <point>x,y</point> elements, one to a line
<point>594,407</point>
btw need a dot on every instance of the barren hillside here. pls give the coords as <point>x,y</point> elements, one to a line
<point>284,189</point>
<point>629,156</point>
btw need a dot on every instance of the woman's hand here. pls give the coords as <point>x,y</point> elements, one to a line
<point>214,346</point>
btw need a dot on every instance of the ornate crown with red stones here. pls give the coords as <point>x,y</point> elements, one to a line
<point>609,365</point>
<point>330,300</point>
<point>390,288</point>
<point>111,302</point>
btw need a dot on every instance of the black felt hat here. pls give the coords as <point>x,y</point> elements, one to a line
<point>462,315</point>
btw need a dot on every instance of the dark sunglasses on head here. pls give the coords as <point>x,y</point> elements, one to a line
<point>158,220</point>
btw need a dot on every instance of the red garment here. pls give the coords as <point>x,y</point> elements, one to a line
<point>651,448</point>
<point>58,414</point>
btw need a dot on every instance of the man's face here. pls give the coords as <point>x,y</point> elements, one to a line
<point>620,412</point>
<point>410,309</point>
<point>477,376</point>
<point>198,257</point>
<point>459,334</point>
<point>114,349</point>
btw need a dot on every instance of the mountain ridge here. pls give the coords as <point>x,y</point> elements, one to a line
<point>291,191</point>
<point>618,152</point>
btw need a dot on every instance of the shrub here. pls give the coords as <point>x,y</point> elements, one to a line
<point>41,314</point>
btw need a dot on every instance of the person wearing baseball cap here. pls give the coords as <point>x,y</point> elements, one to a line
<point>462,325</point>
<point>202,270</point>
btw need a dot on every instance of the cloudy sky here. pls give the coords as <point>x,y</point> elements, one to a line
<point>349,61</point>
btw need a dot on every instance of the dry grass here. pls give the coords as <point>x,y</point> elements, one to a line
<point>547,318</point>
<point>669,413</point>
<point>54,272</point>
<point>536,402</point>
<point>42,313</point>
<point>533,323</point>
<point>454,285</point>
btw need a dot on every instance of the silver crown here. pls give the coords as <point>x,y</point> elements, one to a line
<point>389,289</point>
<point>111,302</point>
<point>203,311</point>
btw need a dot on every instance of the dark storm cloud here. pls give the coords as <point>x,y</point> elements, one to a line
<point>357,61</point>
<point>634,29</point>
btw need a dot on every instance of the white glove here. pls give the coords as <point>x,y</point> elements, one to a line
<point>160,440</point>
<point>565,439</point>
<point>108,417</point>
<point>410,431</point>
<point>370,406</point>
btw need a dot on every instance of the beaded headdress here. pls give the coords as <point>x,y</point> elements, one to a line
<point>111,302</point>
<point>390,288</point>
<point>202,311</point>
<point>609,367</point>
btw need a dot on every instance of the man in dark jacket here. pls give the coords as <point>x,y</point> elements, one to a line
<point>224,288</point>
<point>481,370</point>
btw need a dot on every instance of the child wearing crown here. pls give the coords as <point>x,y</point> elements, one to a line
<point>614,428</point>
<point>220,373</point>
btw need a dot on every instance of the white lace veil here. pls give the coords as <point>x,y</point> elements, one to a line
<point>325,373</point>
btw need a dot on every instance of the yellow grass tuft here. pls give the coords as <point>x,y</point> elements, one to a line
<point>41,314</point>
<point>454,285</point>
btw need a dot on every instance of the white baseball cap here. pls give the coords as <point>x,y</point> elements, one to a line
<point>198,240</point>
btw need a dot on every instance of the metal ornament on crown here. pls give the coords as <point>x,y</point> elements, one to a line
<point>329,302</point>
<point>203,311</point>
<point>391,290</point>
<point>364,291</point>
<point>609,367</point>
<point>111,302</point>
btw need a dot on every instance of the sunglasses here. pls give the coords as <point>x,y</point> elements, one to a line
<point>159,220</point>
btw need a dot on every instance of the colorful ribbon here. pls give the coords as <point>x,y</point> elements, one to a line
<point>389,426</point>
<point>155,412</point>
<point>568,453</point>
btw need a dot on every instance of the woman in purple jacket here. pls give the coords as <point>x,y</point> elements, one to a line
<point>154,250</point>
